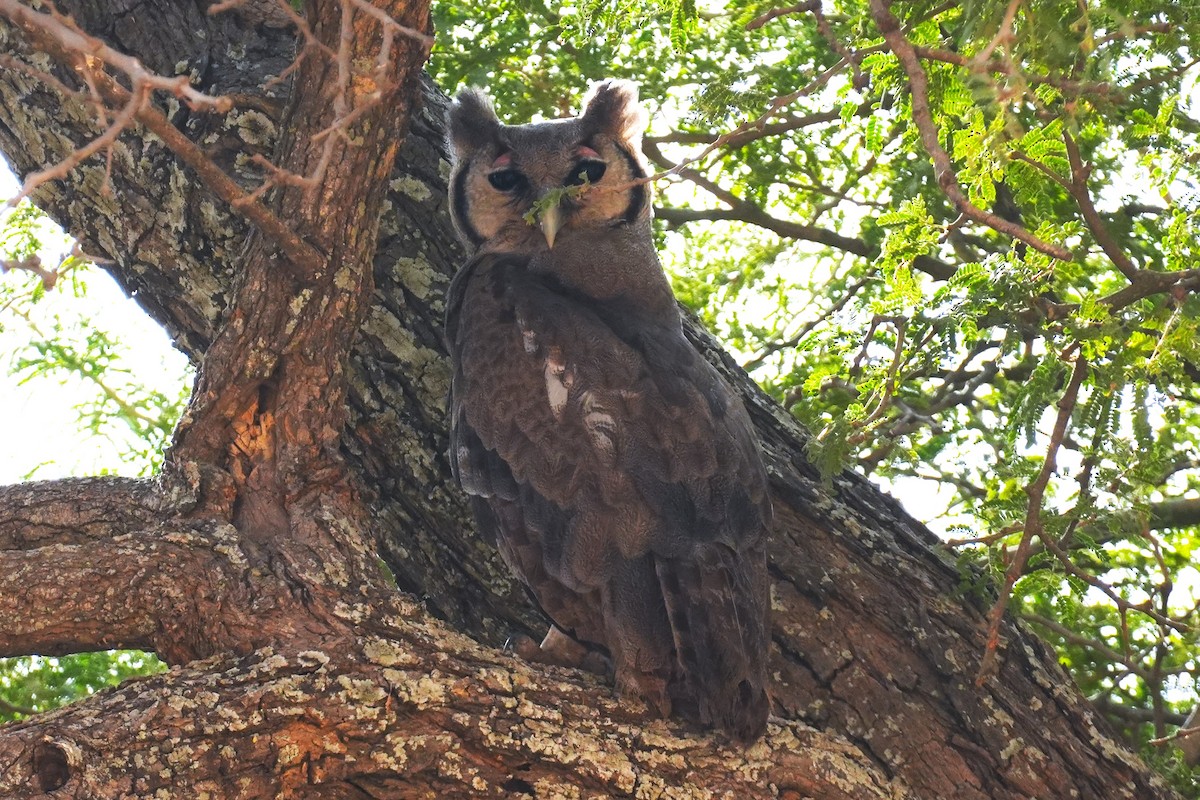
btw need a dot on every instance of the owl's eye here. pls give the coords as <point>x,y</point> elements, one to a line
<point>506,180</point>
<point>589,171</point>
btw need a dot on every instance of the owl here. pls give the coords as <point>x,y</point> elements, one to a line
<point>615,470</point>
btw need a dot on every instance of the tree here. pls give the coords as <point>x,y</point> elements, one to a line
<point>315,440</point>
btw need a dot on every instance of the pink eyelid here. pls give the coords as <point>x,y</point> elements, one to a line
<point>587,152</point>
<point>503,160</point>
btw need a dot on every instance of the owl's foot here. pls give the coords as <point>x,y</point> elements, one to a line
<point>650,687</point>
<point>558,649</point>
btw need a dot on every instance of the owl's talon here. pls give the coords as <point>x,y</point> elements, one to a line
<point>596,663</point>
<point>524,647</point>
<point>557,649</point>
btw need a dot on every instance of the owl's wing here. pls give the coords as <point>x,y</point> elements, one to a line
<point>628,463</point>
<point>510,512</point>
<point>689,448</point>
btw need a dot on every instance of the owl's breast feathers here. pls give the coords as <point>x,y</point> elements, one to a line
<point>621,480</point>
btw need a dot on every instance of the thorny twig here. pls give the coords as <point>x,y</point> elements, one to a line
<point>136,100</point>
<point>71,37</point>
<point>756,361</point>
<point>1181,733</point>
<point>773,108</point>
<point>311,42</point>
<point>188,151</point>
<point>1003,36</point>
<point>889,387</point>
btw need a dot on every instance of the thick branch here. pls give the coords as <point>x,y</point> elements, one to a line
<point>74,511</point>
<point>422,712</point>
<point>272,331</point>
<point>181,593</point>
<point>1179,512</point>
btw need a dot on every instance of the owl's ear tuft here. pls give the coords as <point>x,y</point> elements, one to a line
<point>472,122</point>
<point>612,107</point>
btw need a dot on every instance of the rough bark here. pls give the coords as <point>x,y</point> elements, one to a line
<point>403,711</point>
<point>353,694</point>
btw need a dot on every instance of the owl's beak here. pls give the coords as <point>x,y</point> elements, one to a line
<point>551,221</point>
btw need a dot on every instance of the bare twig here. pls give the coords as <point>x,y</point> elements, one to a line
<point>775,13</point>
<point>1064,85</point>
<point>1017,155</point>
<point>754,133</point>
<point>136,99</point>
<point>1126,31</point>
<point>773,108</point>
<point>311,42</point>
<point>390,24</point>
<point>1074,637</point>
<point>846,296</point>
<point>863,427</point>
<point>1148,282</point>
<point>33,264</point>
<point>1003,36</point>
<point>1179,734</point>
<point>55,36</point>
<point>1123,606</point>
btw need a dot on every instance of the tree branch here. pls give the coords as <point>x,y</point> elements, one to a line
<point>754,133</point>
<point>413,710</point>
<point>889,26</point>
<point>1178,512</point>
<point>1083,197</point>
<point>1033,529</point>
<point>748,213</point>
<point>844,298</point>
<point>744,211</point>
<point>74,511</point>
<point>177,591</point>
<point>775,13</point>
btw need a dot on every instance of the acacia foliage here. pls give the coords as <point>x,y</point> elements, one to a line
<point>1013,319</point>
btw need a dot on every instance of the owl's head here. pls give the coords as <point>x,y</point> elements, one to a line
<point>519,187</point>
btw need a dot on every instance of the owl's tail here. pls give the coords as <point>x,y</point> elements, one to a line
<point>717,602</point>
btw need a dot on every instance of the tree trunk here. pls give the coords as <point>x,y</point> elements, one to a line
<point>297,672</point>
